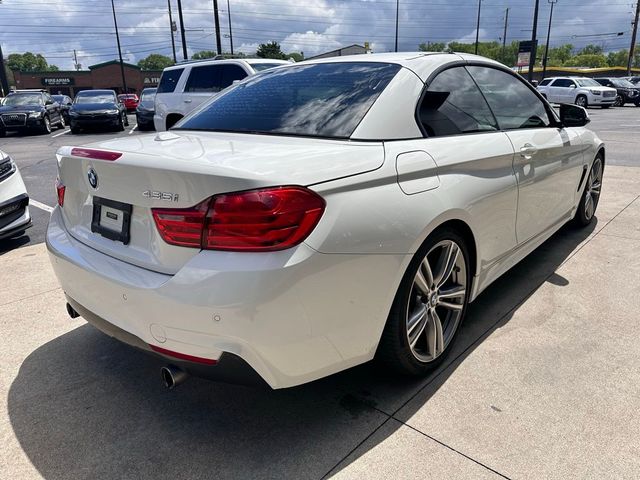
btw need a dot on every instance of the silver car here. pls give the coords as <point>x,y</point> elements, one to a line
<point>319,215</point>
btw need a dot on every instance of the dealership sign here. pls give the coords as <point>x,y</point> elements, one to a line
<point>525,50</point>
<point>57,81</point>
<point>151,80</point>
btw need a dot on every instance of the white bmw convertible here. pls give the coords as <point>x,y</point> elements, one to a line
<point>320,215</point>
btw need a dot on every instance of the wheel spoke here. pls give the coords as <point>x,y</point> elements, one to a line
<point>435,338</point>
<point>588,205</point>
<point>450,306</point>
<point>427,271</point>
<point>416,325</point>
<point>421,282</point>
<point>446,263</point>
<point>453,292</point>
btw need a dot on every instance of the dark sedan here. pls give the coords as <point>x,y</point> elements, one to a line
<point>97,109</point>
<point>627,91</point>
<point>65,104</point>
<point>29,110</point>
<point>146,109</point>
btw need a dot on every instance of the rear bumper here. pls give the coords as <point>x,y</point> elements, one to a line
<point>292,316</point>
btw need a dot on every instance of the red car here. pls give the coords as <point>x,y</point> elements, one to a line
<point>129,100</point>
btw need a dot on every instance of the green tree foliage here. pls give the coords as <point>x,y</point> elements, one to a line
<point>295,56</point>
<point>203,55</point>
<point>591,50</point>
<point>270,50</point>
<point>618,59</point>
<point>155,61</point>
<point>432,47</point>
<point>29,62</point>
<point>587,60</point>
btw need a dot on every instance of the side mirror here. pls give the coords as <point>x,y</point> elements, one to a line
<point>573,85</point>
<point>573,116</point>
<point>48,102</point>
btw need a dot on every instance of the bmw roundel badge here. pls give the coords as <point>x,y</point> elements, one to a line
<point>93,177</point>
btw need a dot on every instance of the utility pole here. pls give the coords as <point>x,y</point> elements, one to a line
<point>173,28</point>
<point>534,40</point>
<point>75,60</point>
<point>216,21</point>
<point>4,84</point>
<point>397,19</point>
<point>182,33</point>
<point>230,32</point>
<point>546,49</point>
<point>633,38</point>
<point>115,22</point>
<point>504,35</point>
<point>478,25</point>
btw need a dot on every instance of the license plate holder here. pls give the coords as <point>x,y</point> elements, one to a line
<point>111,219</point>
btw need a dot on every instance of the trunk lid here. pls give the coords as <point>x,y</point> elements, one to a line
<point>170,170</point>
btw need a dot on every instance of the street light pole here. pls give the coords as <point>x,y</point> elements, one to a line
<point>478,25</point>
<point>230,31</point>
<point>534,39</point>
<point>182,33</point>
<point>397,15</point>
<point>546,49</point>
<point>216,21</point>
<point>173,40</point>
<point>115,22</point>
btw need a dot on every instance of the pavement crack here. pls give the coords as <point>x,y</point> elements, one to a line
<point>30,296</point>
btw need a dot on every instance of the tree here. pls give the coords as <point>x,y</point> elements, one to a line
<point>432,47</point>
<point>591,49</point>
<point>270,50</point>
<point>295,56</point>
<point>201,55</point>
<point>588,60</point>
<point>618,59</point>
<point>155,61</point>
<point>29,62</point>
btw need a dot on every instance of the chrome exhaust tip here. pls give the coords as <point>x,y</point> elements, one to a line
<point>72,313</point>
<point>172,376</point>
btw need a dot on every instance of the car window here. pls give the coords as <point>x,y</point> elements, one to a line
<point>513,103</point>
<point>322,100</point>
<point>231,73</point>
<point>169,80</point>
<point>563,82</point>
<point>17,99</point>
<point>453,105</point>
<point>88,96</point>
<point>206,78</point>
<point>544,82</point>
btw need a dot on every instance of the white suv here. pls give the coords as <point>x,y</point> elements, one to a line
<point>185,86</point>
<point>582,91</point>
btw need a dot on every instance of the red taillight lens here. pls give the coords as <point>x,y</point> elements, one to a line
<point>95,154</point>
<point>253,221</point>
<point>182,226</point>
<point>60,189</point>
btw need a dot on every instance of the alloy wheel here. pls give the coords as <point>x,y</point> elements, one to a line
<point>436,301</point>
<point>592,190</point>
<point>47,125</point>
<point>581,102</point>
<point>618,101</point>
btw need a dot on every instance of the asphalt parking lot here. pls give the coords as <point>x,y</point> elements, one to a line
<point>542,383</point>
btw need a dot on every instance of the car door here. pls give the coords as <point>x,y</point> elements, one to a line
<point>560,90</point>
<point>203,82</point>
<point>472,158</point>
<point>548,160</point>
<point>53,108</point>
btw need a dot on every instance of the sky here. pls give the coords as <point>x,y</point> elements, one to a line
<point>55,28</point>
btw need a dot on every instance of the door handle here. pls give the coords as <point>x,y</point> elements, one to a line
<point>187,100</point>
<point>528,151</point>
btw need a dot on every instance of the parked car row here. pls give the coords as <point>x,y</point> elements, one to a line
<point>586,92</point>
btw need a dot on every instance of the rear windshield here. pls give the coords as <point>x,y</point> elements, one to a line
<point>148,95</point>
<point>622,83</point>
<point>169,80</point>
<point>320,100</point>
<point>97,97</point>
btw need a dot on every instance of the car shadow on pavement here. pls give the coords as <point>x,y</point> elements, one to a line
<point>8,244</point>
<point>85,406</point>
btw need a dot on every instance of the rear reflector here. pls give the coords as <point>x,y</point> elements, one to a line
<point>262,220</point>
<point>60,189</point>
<point>183,356</point>
<point>95,154</point>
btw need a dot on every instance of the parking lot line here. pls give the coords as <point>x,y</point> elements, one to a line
<point>131,131</point>
<point>41,206</point>
<point>61,133</point>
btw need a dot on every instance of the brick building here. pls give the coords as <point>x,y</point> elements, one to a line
<point>102,75</point>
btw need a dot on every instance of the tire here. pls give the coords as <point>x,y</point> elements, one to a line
<point>120,126</point>
<point>581,101</point>
<point>62,124</point>
<point>46,125</point>
<point>3,133</point>
<point>432,337</point>
<point>126,121</point>
<point>590,194</point>
<point>75,130</point>
<point>619,101</point>
<point>605,107</point>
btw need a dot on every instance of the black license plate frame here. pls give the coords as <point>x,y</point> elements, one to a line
<point>125,208</point>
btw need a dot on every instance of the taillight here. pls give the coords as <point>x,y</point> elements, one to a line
<point>60,189</point>
<point>95,154</point>
<point>253,221</point>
